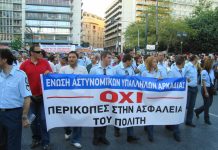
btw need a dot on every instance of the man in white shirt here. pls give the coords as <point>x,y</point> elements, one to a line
<point>74,68</point>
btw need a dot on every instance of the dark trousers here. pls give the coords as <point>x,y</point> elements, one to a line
<point>130,130</point>
<point>11,129</point>
<point>174,128</point>
<point>3,137</point>
<point>100,132</point>
<point>191,99</point>
<point>38,126</point>
<point>205,107</point>
<point>68,130</point>
<point>150,130</point>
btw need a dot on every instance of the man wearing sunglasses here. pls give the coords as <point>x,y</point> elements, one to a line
<point>33,67</point>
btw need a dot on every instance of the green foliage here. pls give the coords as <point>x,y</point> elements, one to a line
<point>16,44</point>
<point>201,29</point>
<point>205,23</point>
<point>203,5</point>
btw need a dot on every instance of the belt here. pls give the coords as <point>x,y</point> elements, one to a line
<point>10,109</point>
<point>192,87</point>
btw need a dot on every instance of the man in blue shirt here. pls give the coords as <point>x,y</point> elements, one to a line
<point>83,60</point>
<point>161,66</point>
<point>177,72</point>
<point>14,101</point>
<point>103,68</point>
<point>191,75</point>
<point>126,70</point>
<point>142,67</point>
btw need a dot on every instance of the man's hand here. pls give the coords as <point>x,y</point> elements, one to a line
<point>136,71</point>
<point>46,72</point>
<point>25,122</point>
<point>188,80</point>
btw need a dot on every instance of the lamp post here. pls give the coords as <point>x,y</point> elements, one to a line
<point>157,30</point>
<point>181,35</point>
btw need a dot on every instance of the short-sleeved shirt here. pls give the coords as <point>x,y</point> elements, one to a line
<point>162,69</point>
<point>13,89</point>
<point>192,74</point>
<point>85,61</point>
<point>99,70</point>
<point>206,77</point>
<point>77,70</point>
<point>141,68</point>
<point>121,70</point>
<point>175,72</point>
<point>152,74</point>
<point>33,72</point>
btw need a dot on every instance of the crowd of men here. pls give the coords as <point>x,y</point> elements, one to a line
<point>21,90</point>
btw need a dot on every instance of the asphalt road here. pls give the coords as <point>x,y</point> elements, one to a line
<point>203,137</point>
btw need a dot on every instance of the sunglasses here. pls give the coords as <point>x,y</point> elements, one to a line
<point>38,52</point>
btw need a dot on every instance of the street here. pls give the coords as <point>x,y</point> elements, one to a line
<point>203,137</point>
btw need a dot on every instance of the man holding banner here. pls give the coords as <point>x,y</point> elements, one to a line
<point>177,72</point>
<point>103,68</point>
<point>33,67</point>
<point>126,70</point>
<point>74,68</point>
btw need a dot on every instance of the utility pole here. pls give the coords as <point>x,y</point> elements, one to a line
<point>146,32</point>
<point>156,44</point>
<point>138,38</point>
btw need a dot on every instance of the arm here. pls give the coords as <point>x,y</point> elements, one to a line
<point>49,70</point>
<point>203,80</point>
<point>25,92</point>
<point>26,106</point>
<point>205,88</point>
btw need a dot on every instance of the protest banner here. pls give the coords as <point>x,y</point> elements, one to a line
<point>122,101</point>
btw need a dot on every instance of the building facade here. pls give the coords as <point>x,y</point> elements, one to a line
<point>53,21</point>
<point>12,18</point>
<point>121,13</point>
<point>184,8</point>
<point>92,30</point>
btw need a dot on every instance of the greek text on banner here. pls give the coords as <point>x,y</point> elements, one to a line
<point>122,101</point>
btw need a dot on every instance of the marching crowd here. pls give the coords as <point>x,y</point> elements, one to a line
<point>21,90</point>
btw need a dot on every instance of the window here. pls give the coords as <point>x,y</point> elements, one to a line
<point>48,23</point>
<point>17,15</point>
<point>60,37</point>
<point>17,7</point>
<point>47,8</point>
<point>47,37</point>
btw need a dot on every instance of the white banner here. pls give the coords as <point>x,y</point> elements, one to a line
<point>58,48</point>
<point>96,100</point>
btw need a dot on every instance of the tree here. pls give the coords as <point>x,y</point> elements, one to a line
<point>203,5</point>
<point>85,44</point>
<point>16,44</point>
<point>168,29</point>
<point>205,23</point>
<point>169,33</point>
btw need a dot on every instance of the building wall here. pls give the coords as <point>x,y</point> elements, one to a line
<point>77,20</point>
<point>53,21</point>
<point>121,13</point>
<point>11,20</point>
<point>93,30</point>
<point>184,8</point>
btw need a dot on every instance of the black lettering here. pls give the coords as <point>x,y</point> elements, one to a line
<point>58,110</point>
<point>51,109</point>
<point>65,109</point>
